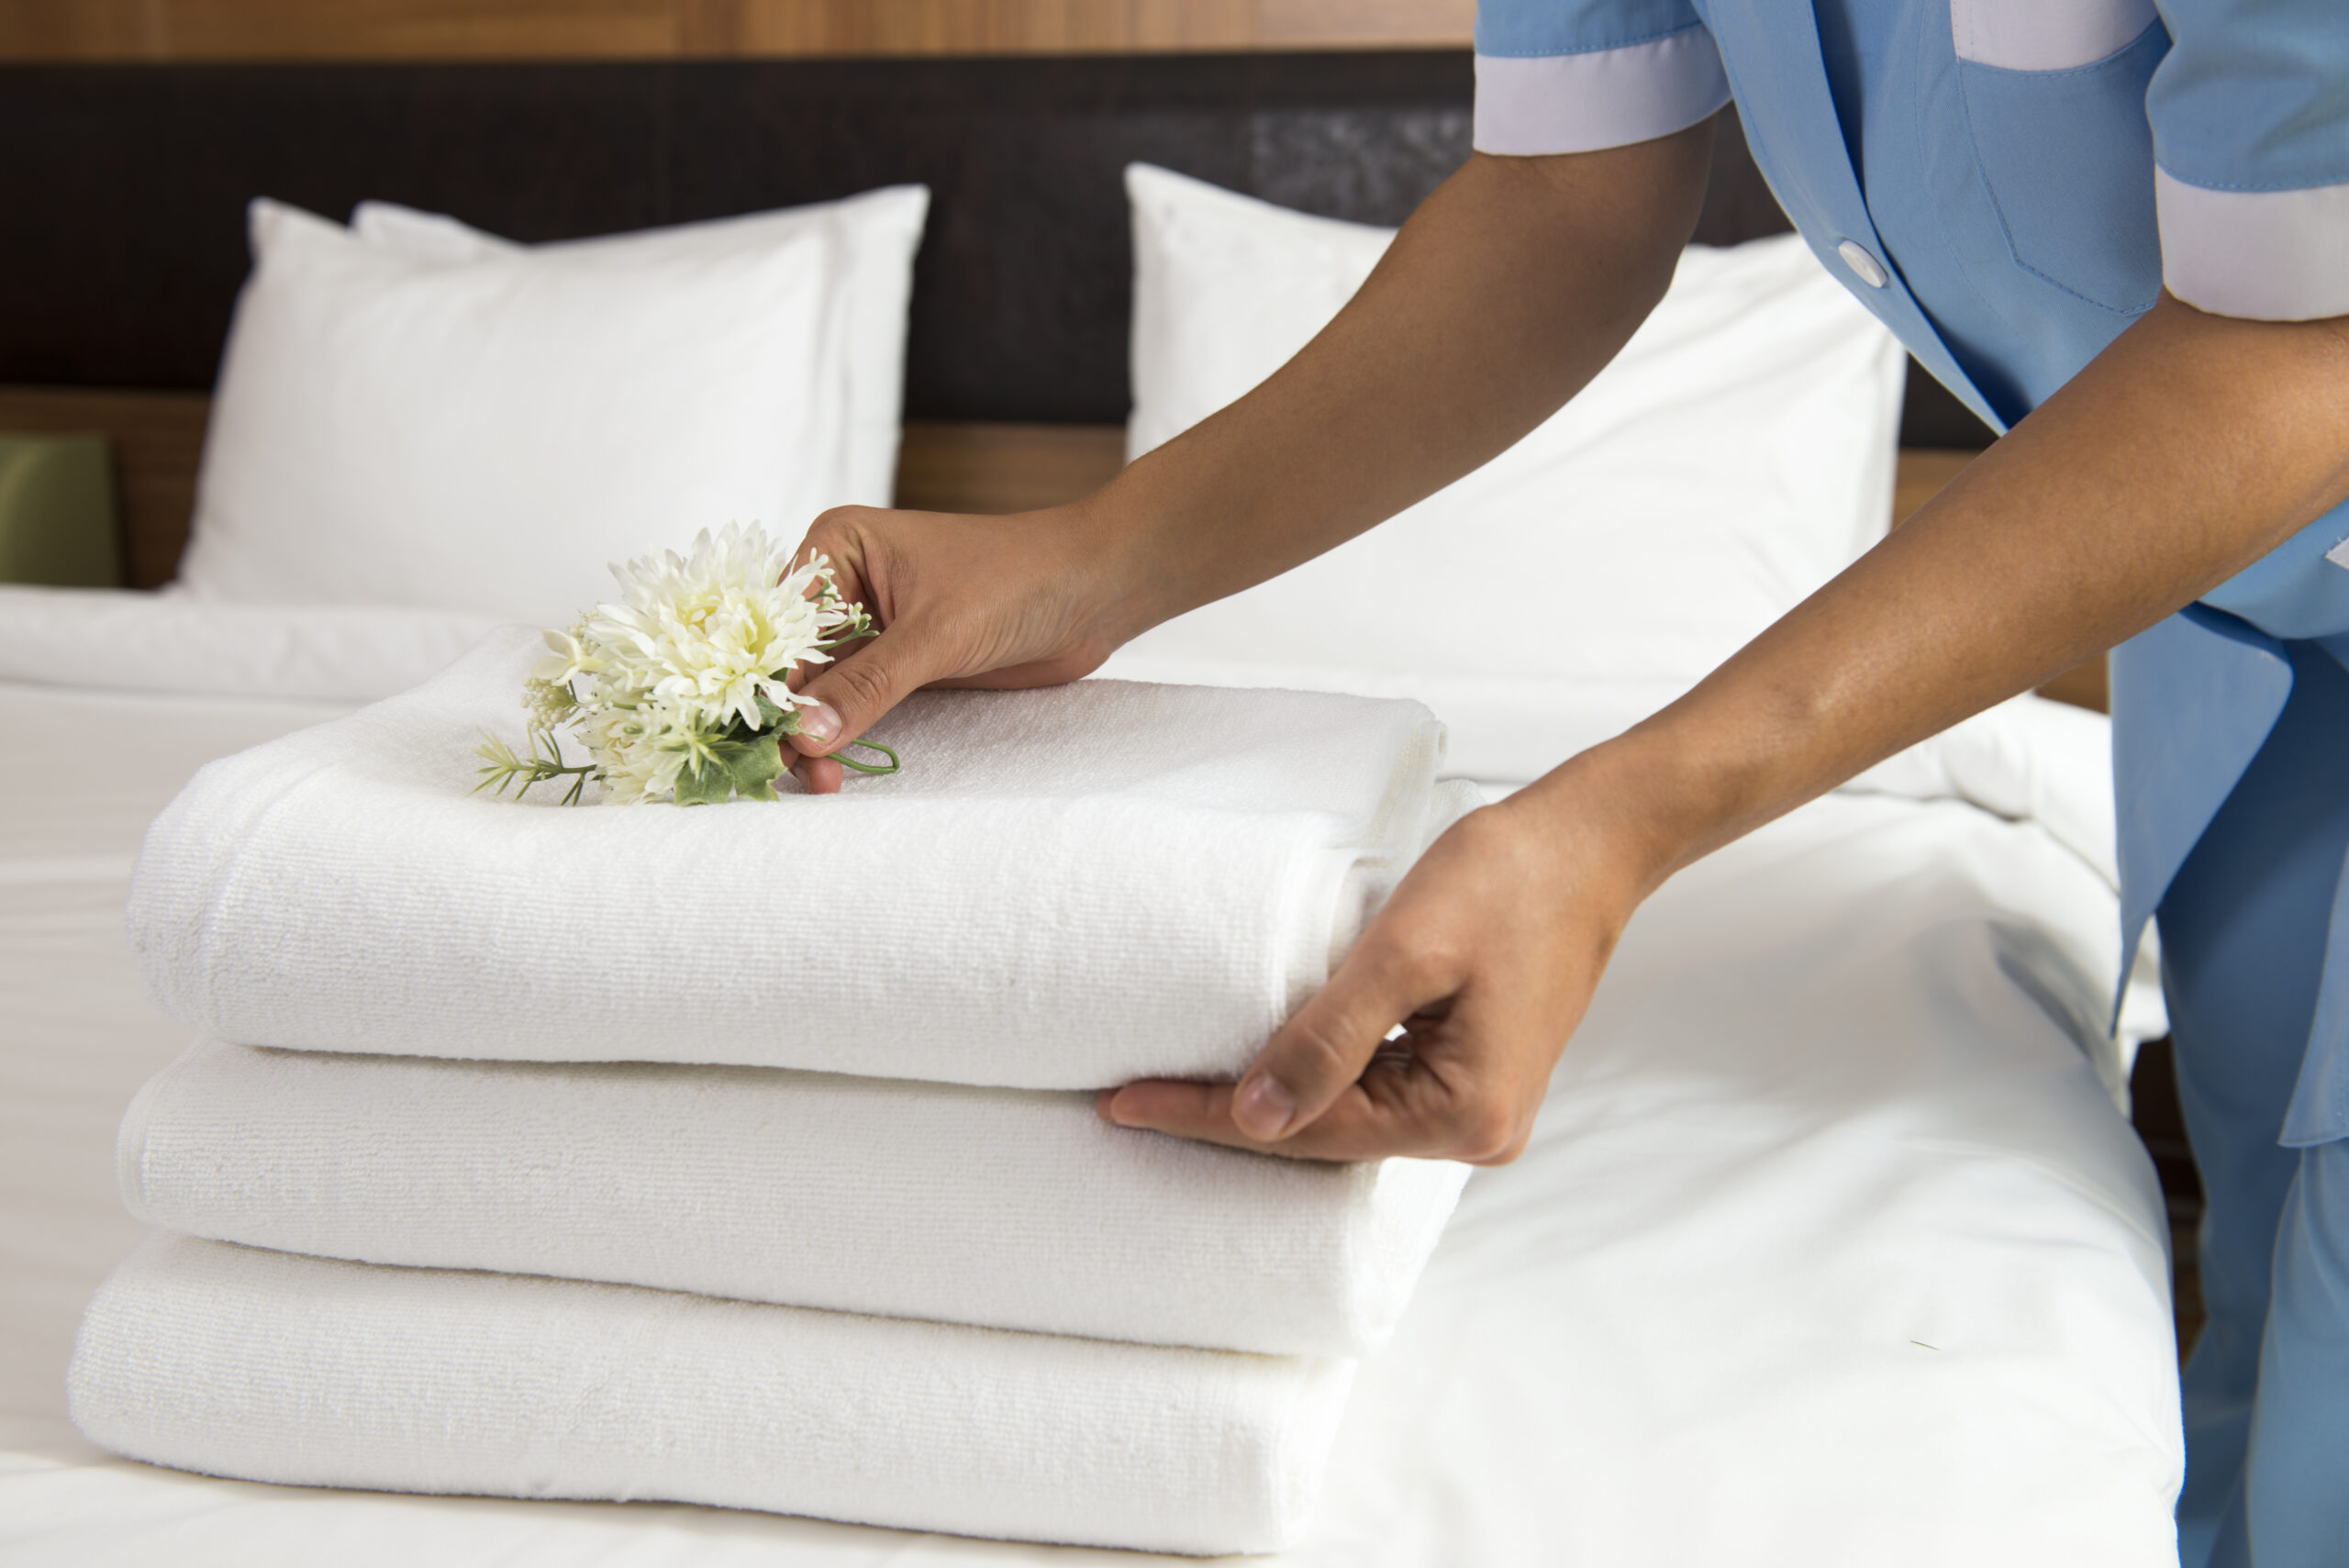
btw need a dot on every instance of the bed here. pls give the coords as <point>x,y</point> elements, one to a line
<point>1833,1244</point>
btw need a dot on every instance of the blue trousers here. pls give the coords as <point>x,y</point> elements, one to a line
<point>2243,933</point>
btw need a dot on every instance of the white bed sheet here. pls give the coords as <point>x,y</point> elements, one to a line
<point>1831,1248</point>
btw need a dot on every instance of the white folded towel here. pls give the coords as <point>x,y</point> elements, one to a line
<point>271,1367</point>
<point>1066,888</point>
<point>1012,1208</point>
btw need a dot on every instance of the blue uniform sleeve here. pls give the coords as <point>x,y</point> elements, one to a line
<point>1578,75</point>
<point>2249,111</point>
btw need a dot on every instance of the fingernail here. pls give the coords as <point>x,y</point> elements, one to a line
<point>819,723</point>
<point>1263,1107</point>
<point>1105,1105</point>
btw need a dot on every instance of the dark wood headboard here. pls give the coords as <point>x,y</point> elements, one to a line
<point>122,195</point>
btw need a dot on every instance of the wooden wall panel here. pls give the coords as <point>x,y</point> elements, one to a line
<point>414,29</point>
<point>791,27</point>
<point>251,31</point>
<point>77,30</point>
<point>1364,24</point>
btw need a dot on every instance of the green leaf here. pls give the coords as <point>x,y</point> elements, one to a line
<point>751,765</point>
<point>502,769</point>
<point>705,786</point>
<point>746,766</point>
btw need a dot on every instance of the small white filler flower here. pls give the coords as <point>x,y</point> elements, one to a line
<point>681,689</point>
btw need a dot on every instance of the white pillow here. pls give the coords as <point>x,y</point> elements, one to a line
<point>1736,455</point>
<point>484,434</point>
<point>877,233</point>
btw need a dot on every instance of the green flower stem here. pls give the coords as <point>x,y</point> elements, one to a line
<point>847,762</point>
<point>504,770</point>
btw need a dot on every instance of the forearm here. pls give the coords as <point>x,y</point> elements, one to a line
<point>2190,447</point>
<point>1508,291</point>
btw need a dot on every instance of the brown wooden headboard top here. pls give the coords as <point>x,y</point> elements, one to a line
<point>121,31</point>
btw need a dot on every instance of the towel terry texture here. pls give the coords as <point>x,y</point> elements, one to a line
<point>1065,889</point>
<point>1010,1209</point>
<point>746,1154</point>
<point>239,1361</point>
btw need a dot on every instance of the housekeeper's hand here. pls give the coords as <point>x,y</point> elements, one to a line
<point>1485,956</point>
<point>990,602</point>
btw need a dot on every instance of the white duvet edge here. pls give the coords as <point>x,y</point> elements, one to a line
<point>170,644</point>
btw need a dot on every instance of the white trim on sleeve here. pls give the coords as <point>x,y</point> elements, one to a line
<point>1531,105</point>
<point>2045,35</point>
<point>2263,255</point>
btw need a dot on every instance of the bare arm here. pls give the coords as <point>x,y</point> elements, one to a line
<point>1517,282</point>
<point>1508,289</point>
<point>2188,450</point>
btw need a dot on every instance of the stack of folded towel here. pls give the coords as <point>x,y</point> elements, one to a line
<point>746,1154</point>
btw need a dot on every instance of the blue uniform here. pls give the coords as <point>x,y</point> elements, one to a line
<point>2008,184</point>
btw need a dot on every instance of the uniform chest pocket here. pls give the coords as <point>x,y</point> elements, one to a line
<point>2068,159</point>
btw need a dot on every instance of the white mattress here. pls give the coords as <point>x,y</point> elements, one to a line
<point>1832,1246</point>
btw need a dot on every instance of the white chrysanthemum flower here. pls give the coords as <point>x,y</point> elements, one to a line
<point>641,751</point>
<point>716,630</point>
<point>571,657</point>
<point>547,703</point>
<point>692,662</point>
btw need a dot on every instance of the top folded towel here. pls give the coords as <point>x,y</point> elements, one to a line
<point>1066,888</point>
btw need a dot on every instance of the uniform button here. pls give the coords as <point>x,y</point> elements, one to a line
<point>1864,266</point>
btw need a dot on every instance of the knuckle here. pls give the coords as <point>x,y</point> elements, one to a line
<point>843,534</point>
<point>1486,1132</point>
<point>1495,827</point>
<point>866,682</point>
<point>1384,946</point>
<point>1435,962</point>
<point>1315,1057</point>
<point>1493,850</point>
<point>1416,968</point>
<point>834,522</point>
<point>824,536</point>
<point>1504,1152</point>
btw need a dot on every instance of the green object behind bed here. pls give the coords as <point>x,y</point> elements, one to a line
<point>57,522</point>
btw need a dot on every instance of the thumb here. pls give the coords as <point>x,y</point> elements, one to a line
<point>1324,1050</point>
<point>845,698</point>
